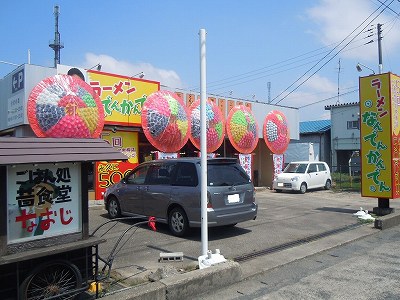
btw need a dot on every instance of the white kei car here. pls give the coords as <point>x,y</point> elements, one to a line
<point>302,176</point>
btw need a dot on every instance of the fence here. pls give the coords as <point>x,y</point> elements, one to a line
<point>345,178</point>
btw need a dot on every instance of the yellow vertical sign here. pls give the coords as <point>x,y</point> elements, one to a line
<point>395,97</point>
<point>375,136</point>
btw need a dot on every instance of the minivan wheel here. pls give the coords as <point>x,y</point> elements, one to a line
<point>328,185</point>
<point>178,222</point>
<point>303,188</point>
<point>113,208</point>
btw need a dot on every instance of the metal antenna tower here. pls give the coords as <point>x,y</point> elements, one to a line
<point>56,45</point>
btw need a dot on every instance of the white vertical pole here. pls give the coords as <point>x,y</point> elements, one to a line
<point>203,143</point>
<point>29,56</point>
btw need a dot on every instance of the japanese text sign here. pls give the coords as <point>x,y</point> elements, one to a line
<point>122,97</point>
<point>43,201</point>
<point>379,111</point>
<point>110,172</point>
<point>245,162</point>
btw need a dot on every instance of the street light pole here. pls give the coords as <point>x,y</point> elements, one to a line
<point>359,69</point>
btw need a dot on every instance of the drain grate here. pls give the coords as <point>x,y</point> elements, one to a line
<point>295,243</point>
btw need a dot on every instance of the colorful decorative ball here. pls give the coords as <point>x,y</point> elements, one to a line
<point>165,121</point>
<point>215,125</point>
<point>276,132</point>
<point>242,129</point>
<point>65,106</point>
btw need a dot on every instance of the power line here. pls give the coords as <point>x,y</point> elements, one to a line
<point>386,6</point>
<point>238,79</point>
<point>288,64</point>
<point>328,55</point>
<point>263,76</point>
<point>257,71</point>
<point>268,71</point>
<point>326,99</point>
<point>237,82</point>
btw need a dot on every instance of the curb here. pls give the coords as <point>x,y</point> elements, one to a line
<point>183,286</point>
<point>387,221</point>
<point>96,204</point>
<point>269,262</point>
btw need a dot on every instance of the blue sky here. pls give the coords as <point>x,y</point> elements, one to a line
<point>294,48</point>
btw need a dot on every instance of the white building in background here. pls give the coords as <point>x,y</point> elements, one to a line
<point>301,152</point>
<point>345,134</point>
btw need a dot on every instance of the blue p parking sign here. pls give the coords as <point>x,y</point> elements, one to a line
<point>18,81</point>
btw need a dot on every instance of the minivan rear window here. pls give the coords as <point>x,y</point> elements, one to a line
<point>185,174</point>
<point>226,175</point>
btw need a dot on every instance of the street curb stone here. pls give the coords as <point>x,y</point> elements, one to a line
<point>183,286</point>
<point>387,221</point>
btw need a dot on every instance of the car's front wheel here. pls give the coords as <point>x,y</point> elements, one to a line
<point>328,185</point>
<point>303,188</point>
<point>178,222</point>
<point>113,208</point>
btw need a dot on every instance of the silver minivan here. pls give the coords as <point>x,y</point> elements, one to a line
<point>170,191</point>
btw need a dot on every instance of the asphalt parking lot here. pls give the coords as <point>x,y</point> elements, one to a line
<point>284,220</point>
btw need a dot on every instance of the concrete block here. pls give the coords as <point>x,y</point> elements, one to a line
<point>184,286</point>
<point>173,256</point>
<point>387,221</point>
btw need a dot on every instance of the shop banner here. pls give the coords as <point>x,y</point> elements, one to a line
<point>110,172</point>
<point>122,96</point>
<point>245,162</point>
<point>43,201</point>
<point>278,164</point>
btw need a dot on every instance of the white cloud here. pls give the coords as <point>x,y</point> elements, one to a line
<point>318,84</point>
<point>316,93</point>
<point>336,19</point>
<point>111,65</point>
<point>313,90</point>
<point>311,112</point>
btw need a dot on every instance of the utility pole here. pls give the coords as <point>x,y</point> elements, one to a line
<point>269,91</point>
<point>338,86</point>
<point>380,47</point>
